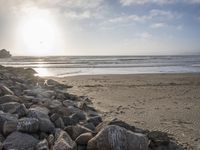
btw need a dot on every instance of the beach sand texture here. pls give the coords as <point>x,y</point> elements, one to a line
<point>165,102</point>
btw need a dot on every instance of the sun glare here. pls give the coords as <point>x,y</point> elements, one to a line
<point>38,32</point>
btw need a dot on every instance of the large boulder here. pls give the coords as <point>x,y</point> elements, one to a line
<point>117,138</point>
<point>63,141</point>
<point>5,90</point>
<point>4,54</point>
<point>6,117</point>
<point>75,131</point>
<point>116,122</point>
<point>29,125</point>
<point>20,141</point>
<point>14,108</point>
<point>84,138</point>
<point>45,124</point>
<point>9,98</point>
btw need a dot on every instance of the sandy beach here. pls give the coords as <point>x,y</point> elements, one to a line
<point>165,102</point>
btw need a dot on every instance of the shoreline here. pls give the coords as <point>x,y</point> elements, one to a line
<point>165,102</point>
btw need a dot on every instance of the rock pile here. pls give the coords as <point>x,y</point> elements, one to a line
<point>42,115</point>
<point>4,53</point>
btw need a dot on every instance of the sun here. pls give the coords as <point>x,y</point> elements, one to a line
<point>38,32</point>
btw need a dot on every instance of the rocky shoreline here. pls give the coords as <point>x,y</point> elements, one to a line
<point>40,114</point>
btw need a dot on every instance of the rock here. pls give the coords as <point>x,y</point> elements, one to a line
<point>51,82</point>
<point>51,140</point>
<point>43,110</point>
<point>81,147</point>
<point>54,117</point>
<point>114,137</point>
<point>117,122</point>
<point>45,124</point>
<point>9,127</point>
<point>1,146</point>
<point>5,117</point>
<point>75,131</point>
<point>84,138</point>
<point>63,141</point>
<point>71,110</point>
<point>47,94</point>
<point>69,103</point>
<point>1,138</point>
<point>83,106</point>
<point>9,107</point>
<point>21,111</point>
<point>29,125</point>
<point>5,90</point>
<point>9,98</point>
<point>4,53</point>
<point>90,126</point>
<point>78,116</point>
<point>59,123</point>
<point>20,141</point>
<point>158,138</point>
<point>67,121</point>
<point>95,120</point>
<point>42,145</point>
<point>14,108</point>
<point>55,104</point>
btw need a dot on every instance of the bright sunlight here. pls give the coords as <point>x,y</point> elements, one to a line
<point>39,33</point>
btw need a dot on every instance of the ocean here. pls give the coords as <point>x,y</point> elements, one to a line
<point>62,66</point>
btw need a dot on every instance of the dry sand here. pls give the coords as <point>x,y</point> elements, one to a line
<point>165,102</point>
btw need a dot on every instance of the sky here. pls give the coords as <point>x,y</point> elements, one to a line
<point>100,27</point>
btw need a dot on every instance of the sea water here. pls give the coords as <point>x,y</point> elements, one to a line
<point>61,66</point>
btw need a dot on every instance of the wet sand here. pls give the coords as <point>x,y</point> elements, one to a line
<point>165,102</point>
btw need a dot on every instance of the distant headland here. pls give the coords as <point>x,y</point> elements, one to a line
<point>4,53</point>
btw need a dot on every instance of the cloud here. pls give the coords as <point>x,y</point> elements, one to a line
<point>160,17</point>
<point>145,35</point>
<point>133,2</point>
<point>160,2</point>
<point>158,25</point>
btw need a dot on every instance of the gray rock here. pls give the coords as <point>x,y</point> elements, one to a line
<point>29,125</point>
<point>89,126</point>
<point>95,120</point>
<point>63,141</point>
<point>158,138</point>
<point>71,110</point>
<point>21,110</point>
<point>9,127</point>
<point>9,107</point>
<point>67,103</point>
<point>75,131</point>
<point>43,110</point>
<point>59,123</point>
<point>47,94</point>
<point>5,90</point>
<point>42,145</point>
<point>20,141</point>
<point>9,98</point>
<point>4,53</point>
<point>45,124</point>
<point>5,117</point>
<point>51,140</point>
<point>78,116</point>
<point>1,146</point>
<point>84,138</point>
<point>54,117</point>
<point>67,121</point>
<point>117,122</point>
<point>14,108</point>
<point>117,138</point>
<point>55,104</point>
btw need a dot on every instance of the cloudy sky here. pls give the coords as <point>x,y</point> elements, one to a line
<point>100,27</point>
